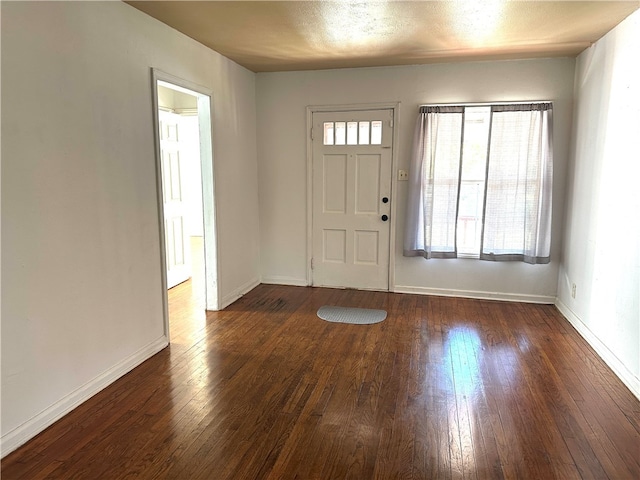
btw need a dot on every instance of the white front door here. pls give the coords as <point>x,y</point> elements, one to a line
<point>177,244</point>
<point>351,163</point>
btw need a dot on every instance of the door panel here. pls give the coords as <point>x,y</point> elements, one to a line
<point>175,209</point>
<point>334,246</point>
<point>350,178</point>
<point>367,184</point>
<point>335,183</point>
<point>367,246</point>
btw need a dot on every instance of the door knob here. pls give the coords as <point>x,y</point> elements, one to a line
<point>384,218</point>
<point>385,199</point>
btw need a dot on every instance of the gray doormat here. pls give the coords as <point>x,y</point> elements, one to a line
<point>359,316</point>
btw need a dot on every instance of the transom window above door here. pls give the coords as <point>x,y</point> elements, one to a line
<point>353,133</point>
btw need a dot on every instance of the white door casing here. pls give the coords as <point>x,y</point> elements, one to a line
<point>178,253</point>
<point>351,200</point>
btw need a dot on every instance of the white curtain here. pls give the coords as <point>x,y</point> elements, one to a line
<point>517,216</point>
<point>517,201</point>
<point>434,183</point>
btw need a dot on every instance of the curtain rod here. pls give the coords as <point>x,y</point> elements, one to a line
<point>482,104</point>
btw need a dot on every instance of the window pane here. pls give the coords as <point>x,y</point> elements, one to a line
<point>470,217</point>
<point>445,173</point>
<point>519,182</point>
<point>328,133</point>
<point>364,133</point>
<point>474,165</point>
<point>476,139</point>
<point>376,132</point>
<point>352,133</point>
<point>341,133</point>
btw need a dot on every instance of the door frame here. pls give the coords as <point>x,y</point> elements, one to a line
<point>311,109</point>
<point>205,113</point>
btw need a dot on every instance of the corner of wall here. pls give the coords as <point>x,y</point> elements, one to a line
<point>235,294</point>
<point>608,357</point>
<point>20,435</point>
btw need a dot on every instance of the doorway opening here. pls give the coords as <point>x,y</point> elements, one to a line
<point>184,159</point>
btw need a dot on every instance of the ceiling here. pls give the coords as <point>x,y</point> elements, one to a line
<point>266,36</point>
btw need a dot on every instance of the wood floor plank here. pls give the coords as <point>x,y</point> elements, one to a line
<point>443,388</point>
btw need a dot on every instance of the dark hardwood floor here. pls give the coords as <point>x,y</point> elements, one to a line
<point>443,388</point>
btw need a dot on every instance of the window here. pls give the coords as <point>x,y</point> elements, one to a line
<point>481,183</point>
<point>353,133</point>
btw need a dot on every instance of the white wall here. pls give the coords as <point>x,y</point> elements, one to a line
<point>282,98</point>
<point>81,297</point>
<point>601,252</point>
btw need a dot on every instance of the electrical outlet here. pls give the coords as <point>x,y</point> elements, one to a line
<point>573,290</point>
<point>403,175</point>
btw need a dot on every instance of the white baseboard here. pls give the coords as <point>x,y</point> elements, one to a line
<point>282,280</point>
<point>231,297</point>
<point>621,371</point>
<point>505,297</point>
<point>23,433</point>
